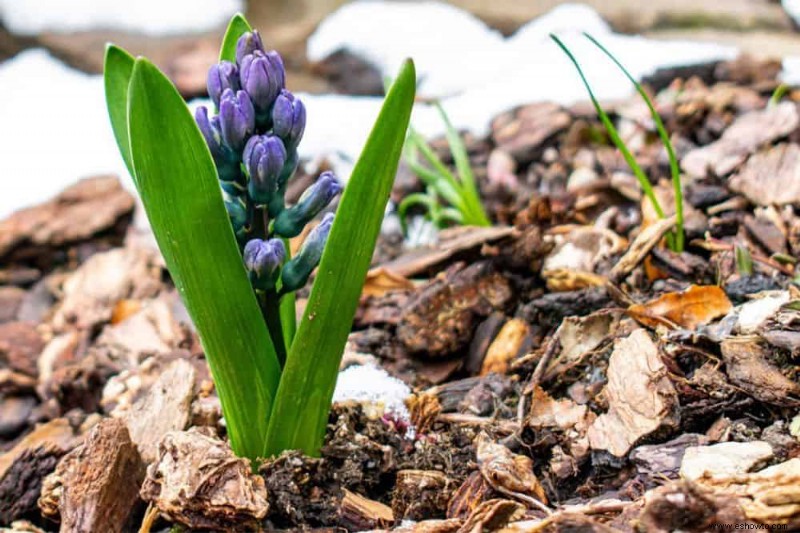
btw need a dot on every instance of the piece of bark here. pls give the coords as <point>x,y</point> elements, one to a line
<point>450,525</point>
<point>11,299</point>
<point>640,247</point>
<point>165,407</point>
<point>524,131</point>
<point>469,495</point>
<point>748,367</point>
<point>512,341</point>
<point>509,473</point>
<point>420,494</point>
<point>23,468</point>
<point>665,459</point>
<point>89,207</point>
<point>485,333</point>
<point>724,459</point>
<point>492,515</point>
<point>358,513</point>
<point>440,318</point>
<point>749,132</point>
<point>20,346</point>
<point>770,177</point>
<point>152,330</point>
<point>640,396</point>
<point>685,506</point>
<point>423,409</point>
<point>95,486</point>
<point>14,413</point>
<point>92,291</point>
<point>451,242</point>
<point>199,482</point>
<point>582,249</point>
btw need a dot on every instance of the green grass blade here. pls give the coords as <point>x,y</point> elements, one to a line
<point>674,167</point>
<point>117,71</point>
<point>647,188</point>
<point>475,216</point>
<point>178,184</point>
<point>236,27</point>
<point>303,402</point>
<point>427,152</point>
<point>417,198</point>
<point>438,183</point>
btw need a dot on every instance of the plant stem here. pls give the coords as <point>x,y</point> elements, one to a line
<point>271,311</point>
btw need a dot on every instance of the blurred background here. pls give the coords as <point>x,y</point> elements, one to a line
<point>481,57</point>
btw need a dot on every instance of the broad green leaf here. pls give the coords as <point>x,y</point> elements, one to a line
<point>674,167</point>
<point>647,188</point>
<point>236,27</point>
<point>178,184</point>
<point>303,401</point>
<point>117,70</point>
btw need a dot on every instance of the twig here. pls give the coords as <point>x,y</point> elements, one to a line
<point>506,426</point>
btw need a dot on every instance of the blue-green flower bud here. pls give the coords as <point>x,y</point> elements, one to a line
<point>237,210</point>
<point>264,158</point>
<point>248,43</point>
<point>225,159</point>
<point>237,119</point>
<point>290,222</point>
<point>288,119</point>
<point>296,271</point>
<point>262,76</point>
<point>263,260</point>
<point>221,76</point>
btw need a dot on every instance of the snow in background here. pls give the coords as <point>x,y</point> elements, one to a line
<point>55,127</point>
<point>792,7</point>
<point>152,17</point>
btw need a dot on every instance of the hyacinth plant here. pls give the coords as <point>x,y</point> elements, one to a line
<point>675,239</point>
<point>213,187</point>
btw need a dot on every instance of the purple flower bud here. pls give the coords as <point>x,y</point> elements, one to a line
<point>263,260</point>
<point>296,271</point>
<point>264,157</point>
<point>237,118</point>
<point>262,75</point>
<point>223,75</point>
<point>290,222</point>
<point>248,43</point>
<point>210,131</point>
<point>288,118</point>
<point>224,159</point>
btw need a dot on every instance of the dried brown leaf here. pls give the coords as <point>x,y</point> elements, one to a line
<point>697,305</point>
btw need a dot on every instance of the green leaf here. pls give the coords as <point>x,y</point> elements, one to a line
<point>303,402</point>
<point>117,71</point>
<point>475,214</point>
<point>178,184</point>
<point>647,188</point>
<point>674,167</point>
<point>236,27</point>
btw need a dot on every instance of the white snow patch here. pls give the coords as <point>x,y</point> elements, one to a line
<point>792,8</point>
<point>55,129</point>
<point>152,17</point>
<point>790,74</point>
<point>373,386</point>
<point>474,69</point>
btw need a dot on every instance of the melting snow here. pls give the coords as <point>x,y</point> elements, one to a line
<point>53,137</point>
<point>152,17</point>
